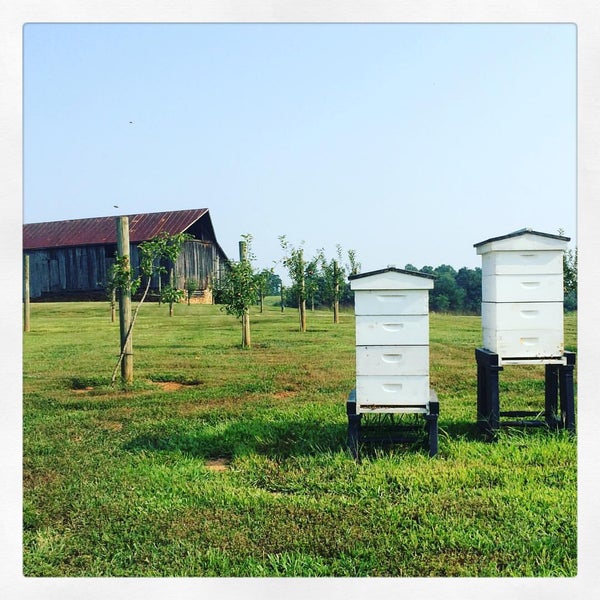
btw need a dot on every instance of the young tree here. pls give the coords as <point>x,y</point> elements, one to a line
<point>311,279</point>
<point>111,293</point>
<point>191,285</point>
<point>296,266</point>
<point>263,285</point>
<point>163,247</point>
<point>171,295</point>
<point>353,264</point>
<point>570,279</point>
<point>334,279</point>
<point>238,290</point>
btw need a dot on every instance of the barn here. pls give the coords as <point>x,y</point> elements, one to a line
<point>70,260</point>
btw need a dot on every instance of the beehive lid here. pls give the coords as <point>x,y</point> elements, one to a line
<point>523,239</point>
<point>391,279</point>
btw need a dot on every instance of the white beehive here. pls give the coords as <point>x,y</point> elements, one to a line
<point>522,295</point>
<point>392,340</point>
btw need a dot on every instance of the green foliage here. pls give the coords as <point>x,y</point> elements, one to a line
<point>171,295</point>
<point>454,291</point>
<point>122,277</point>
<point>267,284</point>
<point>311,278</point>
<point>334,276</point>
<point>163,247</point>
<point>570,270</point>
<point>238,291</point>
<point>239,287</point>
<point>153,253</point>
<point>191,285</point>
<point>469,280</point>
<point>296,265</point>
<point>320,276</point>
<point>570,279</point>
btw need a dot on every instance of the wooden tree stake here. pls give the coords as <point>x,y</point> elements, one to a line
<point>125,303</point>
<point>26,305</point>
<point>336,293</point>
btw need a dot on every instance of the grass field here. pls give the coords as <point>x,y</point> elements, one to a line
<point>220,461</point>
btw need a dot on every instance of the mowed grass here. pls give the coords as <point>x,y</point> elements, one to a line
<point>224,462</point>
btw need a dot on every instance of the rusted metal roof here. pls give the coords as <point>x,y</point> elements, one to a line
<point>103,230</point>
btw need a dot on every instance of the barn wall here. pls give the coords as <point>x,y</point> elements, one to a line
<point>60,270</point>
<point>200,261</point>
<point>83,269</point>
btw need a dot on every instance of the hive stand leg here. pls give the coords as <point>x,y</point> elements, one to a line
<point>551,396</point>
<point>482,408</point>
<point>432,424</point>
<point>567,395</point>
<point>354,425</point>
<point>488,395</point>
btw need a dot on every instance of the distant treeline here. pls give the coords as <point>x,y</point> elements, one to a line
<point>454,291</point>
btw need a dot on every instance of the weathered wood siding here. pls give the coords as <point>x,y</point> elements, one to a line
<point>84,269</point>
<point>200,261</point>
<point>60,270</point>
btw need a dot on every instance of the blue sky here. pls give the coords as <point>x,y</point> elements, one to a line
<point>407,143</point>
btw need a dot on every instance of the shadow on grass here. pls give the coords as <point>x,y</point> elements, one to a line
<point>280,438</point>
<point>285,438</point>
<point>463,430</point>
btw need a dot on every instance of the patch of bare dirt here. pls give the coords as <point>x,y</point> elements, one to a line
<point>217,464</point>
<point>111,425</point>
<point>170,386</point>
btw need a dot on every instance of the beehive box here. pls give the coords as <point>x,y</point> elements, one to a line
<point>522,294</point>
<point>392,340</point>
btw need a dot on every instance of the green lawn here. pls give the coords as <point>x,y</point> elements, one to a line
<point>220,461</point>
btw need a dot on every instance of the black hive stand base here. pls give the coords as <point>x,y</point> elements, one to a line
<point>559,406</point>
<point>402,434</point>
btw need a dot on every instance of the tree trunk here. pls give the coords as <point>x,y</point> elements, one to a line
<point>336,294</point>
<point>113,305</point>
<point>302,298</point>
<point>125,303</point>
<point>171,284</point>
<point>246,341</point>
